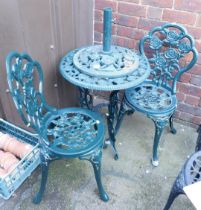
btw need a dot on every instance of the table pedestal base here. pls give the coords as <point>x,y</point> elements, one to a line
<point>86,100</point>
<point>111,119</point>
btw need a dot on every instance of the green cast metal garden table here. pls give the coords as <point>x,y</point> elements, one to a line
<point>104,68</point>
<point>89,68</point>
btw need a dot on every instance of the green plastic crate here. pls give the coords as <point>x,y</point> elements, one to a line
<point>27,164</point>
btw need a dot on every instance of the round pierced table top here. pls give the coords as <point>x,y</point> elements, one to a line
<point>115,71</point>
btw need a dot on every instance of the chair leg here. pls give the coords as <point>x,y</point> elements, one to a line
<point>159,126</point>
<point>95,160</point>
<point>177,189</point>
<point>170,200</point>
<point>121,114</point>
<point>44,169</point>
<point>172,129</point>
<point>198,143</point>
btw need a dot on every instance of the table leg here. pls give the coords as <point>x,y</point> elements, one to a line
<point>111,119</point>
<point>86,99</point>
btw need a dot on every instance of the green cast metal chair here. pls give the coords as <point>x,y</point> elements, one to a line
<point>171,52</point>
<point>63,133</point>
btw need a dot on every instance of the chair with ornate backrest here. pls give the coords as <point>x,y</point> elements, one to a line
<point>190,173</point>
<point>171,52</point>
<point>62,133</point>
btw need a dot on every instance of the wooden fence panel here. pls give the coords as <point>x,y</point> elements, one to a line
<point>10,39</point>
<point>47,30</point>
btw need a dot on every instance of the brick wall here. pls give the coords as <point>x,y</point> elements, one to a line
<point>135,17</point>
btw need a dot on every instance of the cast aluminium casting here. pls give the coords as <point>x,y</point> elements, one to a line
<point>94,61</point>
<point>98,82</point>
<point>171,52</point>
<point>105,68</point>
<point>87,82</point>
<point>63,133</point>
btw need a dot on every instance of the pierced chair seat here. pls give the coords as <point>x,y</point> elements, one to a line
<point>151,99</point>
<point>73,132</point>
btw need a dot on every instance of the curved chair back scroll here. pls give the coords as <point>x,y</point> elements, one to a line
<point>25,80</point>
<point>171,52</point>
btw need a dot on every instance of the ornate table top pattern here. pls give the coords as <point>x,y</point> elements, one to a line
<point>119,61</point>
<point>72,74</point>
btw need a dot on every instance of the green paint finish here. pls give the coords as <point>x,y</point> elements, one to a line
<point>63,133</point>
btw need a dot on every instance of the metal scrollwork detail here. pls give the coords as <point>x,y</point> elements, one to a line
<point>27,96</point>
<point>155,43</point>
<point>113,105</point>
<point>113,110</point>
<point>71,73</point>
<point>62,133</point>
<point>150,97</point>
<point>45,156</point>
<point>72,132</point>
<point>184,47</point>
<point>94,157</point>
<point>168,45</point>
<point>173,36</point>
<point>93,61</point>
<point>86,99</point>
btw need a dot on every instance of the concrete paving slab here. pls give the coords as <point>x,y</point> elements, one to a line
<point>131,182</point>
